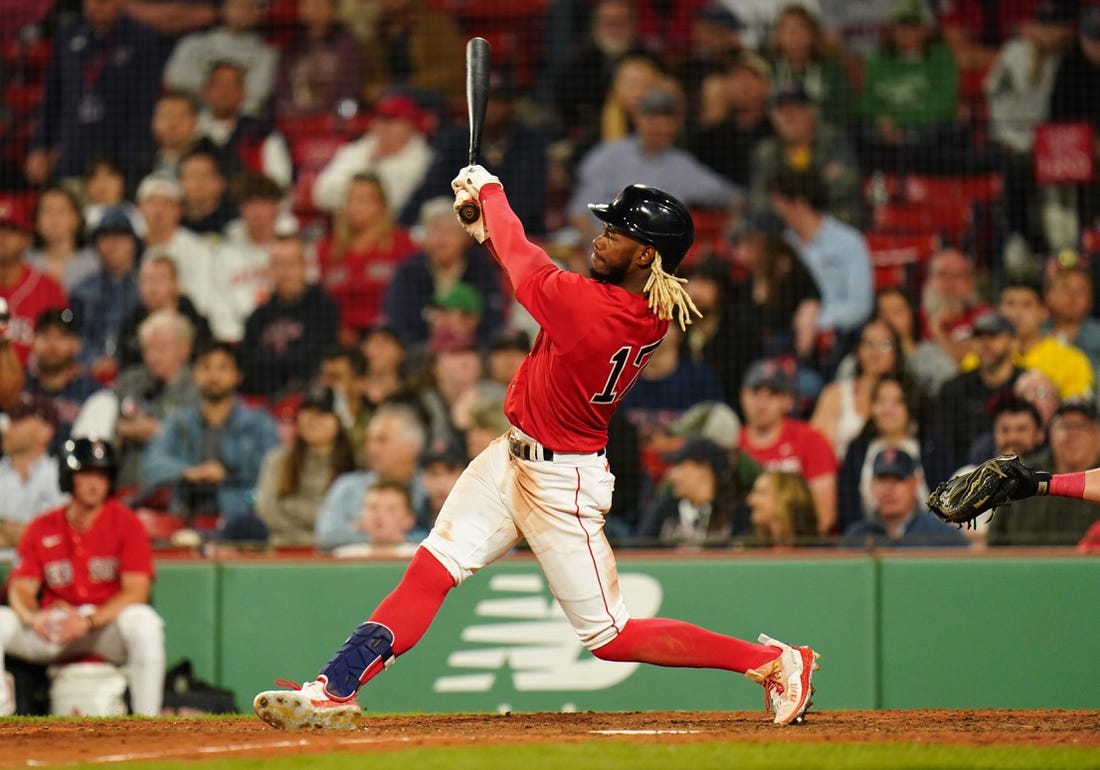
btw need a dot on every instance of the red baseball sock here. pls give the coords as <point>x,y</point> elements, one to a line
<point>664,642</point>
<point>411,607</point>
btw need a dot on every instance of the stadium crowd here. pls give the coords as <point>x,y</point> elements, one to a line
<point>227,248</point>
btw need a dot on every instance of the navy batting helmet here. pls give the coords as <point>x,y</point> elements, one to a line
<point>652,216</point>
<point>82,454</point>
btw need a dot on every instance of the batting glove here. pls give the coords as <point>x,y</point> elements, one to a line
<point>476,229</point>
<point>472,179</point>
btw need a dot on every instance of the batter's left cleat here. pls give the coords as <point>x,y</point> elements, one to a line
<point>787,681</point>
<point>306,706</point>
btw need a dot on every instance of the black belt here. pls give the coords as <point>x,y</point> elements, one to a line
<point>528,450</point>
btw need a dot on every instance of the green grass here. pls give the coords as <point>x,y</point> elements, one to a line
<point>624,755</point>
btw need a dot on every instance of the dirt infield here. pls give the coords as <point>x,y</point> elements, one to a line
<point>45,743</point>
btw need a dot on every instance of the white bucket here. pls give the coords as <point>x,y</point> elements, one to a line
<point>87,689</point>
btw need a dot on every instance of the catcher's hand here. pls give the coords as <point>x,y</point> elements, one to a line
<point>995,482</point>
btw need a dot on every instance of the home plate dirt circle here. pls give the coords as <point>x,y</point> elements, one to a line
<point>107,741</point>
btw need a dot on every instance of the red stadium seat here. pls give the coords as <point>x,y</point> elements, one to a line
<point>973,189</point>
<point>952,221</point>
<point>899,260</point>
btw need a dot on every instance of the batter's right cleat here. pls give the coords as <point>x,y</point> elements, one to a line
<point>787,681</point>
<point>306,706</point>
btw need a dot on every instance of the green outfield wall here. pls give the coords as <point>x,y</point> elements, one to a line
<point>904,631</point>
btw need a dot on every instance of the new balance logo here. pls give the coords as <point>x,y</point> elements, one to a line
<point>534,641</point>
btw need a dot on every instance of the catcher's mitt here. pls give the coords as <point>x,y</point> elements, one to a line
<point>995,482</point>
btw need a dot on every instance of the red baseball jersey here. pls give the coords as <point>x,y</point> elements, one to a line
<point>358,279</point>
<point>595,339</point>
<point>83,568</point>
<point>800,448</point>
<point>29,296</point>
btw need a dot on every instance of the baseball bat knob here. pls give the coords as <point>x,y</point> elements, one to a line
<point>469,212</point>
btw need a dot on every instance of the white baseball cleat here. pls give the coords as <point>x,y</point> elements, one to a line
<point>787,681</point>
<point>306,706</point>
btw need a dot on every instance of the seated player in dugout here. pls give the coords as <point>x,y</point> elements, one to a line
<point>546,479</point>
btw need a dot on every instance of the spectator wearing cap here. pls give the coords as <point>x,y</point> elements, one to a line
<point>28,473</point>
<point>910,94</point>
<point>208,455</point>
<point>294,479</point>
<point>447,257</point>
<point>160,203</point>
<point>733,117</point>
<point>441,465</point>
<point>240,271</point>
<point>55,371</point>
<point>804,142</point>
<point>286,337</point>
<point>1076,96</point>
<point>1021,302</point>
<point>205,200</point>
<point>456,312</point>
<point>246,143</point>
<point>777,441</point>
<point>512,148</point>
<point>1069,297</point>
<point>898,517</point>
<point>1018,91</point>
<point>102,300</point>
<point>321,68</point>
<point>835,253</point>
<point>800,53</point>
<point>961,405</point>
<point>25,291</point>
<point>101,85</point>
<point>59,249</point>
<point>1074,447</point>
<point>648,156</point>
<point>236,39</point>
<point>699,507</point>
<point>714,41</point>
<point>358,260</point>
<point>395,149</point>
<point>154,386</point>
<point>158,289</point>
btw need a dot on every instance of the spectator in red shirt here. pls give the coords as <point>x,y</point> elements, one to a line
<point>359,259</point>
<point>82,583</point>
<point>26,291</point>
<point>781,443</point>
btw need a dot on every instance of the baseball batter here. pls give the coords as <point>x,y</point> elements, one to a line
<point>547,480</point>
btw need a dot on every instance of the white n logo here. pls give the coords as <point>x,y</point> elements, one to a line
<point>540,647</point>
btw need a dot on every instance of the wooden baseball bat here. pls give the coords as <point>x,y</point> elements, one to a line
<point>477,94</point>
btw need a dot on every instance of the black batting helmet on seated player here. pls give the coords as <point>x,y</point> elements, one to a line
<point>83,454</point>
<point>652,216</point>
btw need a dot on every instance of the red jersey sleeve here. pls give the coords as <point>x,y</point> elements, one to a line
<point>135,555</point>
<point>818,458</point>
